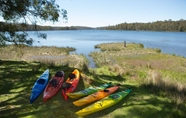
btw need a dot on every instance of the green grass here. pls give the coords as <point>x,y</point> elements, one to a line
<point>17,79</point>
<point>157,81</point>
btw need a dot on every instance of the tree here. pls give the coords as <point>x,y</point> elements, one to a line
<point>18,14</point>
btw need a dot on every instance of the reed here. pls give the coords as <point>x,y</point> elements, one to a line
<point>145,66</point>
<point>51,56</point>
<point>175,90</point>
<point>12,52</point>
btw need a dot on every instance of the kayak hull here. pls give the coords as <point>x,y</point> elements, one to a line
<point>39,86</point>
<point>53,88</point>
<point>73,84</point>
<point>95,96</point>
<point>104,103</point>
<point>88,91</point>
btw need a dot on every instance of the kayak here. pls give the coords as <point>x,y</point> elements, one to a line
<point>96,96</point>
<point>71,83</point>
<point>88,91</point>
<point>39,86</point>
<point>53,86</point>
<point>104,103</point>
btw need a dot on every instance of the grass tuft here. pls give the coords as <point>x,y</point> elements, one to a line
<point>174,89</point>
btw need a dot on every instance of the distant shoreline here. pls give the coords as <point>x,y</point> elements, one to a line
<point>166,25</point>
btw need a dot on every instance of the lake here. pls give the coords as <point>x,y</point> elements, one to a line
<point>85,40</point>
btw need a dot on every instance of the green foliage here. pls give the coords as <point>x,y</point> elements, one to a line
<point>179,26</point>
<point>141,45</point>
<point>158,50</point>
<point>26,12</point>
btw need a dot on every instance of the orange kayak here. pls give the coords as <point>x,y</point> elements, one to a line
<point>71,83</point>
<point>53,86</point>
<point>96,96</point>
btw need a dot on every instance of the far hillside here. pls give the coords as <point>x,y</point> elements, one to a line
<point>167,25</point>
<point>25,27</point>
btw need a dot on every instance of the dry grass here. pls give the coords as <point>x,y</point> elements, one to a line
<point>174,89</point>
<point>52,56</point>
<point>117,69</point>
<point>145,66</point>
<point>135,57</point>
<point>12,52</point>
<point>87,80</point>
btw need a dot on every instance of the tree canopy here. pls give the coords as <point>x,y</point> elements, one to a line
<point>24,13</point>
<point>167,25</point>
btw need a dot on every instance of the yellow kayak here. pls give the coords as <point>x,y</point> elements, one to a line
<point>104,103</point>
<point>96,96</point>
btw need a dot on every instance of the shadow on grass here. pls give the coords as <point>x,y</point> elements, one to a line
<point>142,103</point>
<point>17,79</point>
<point>99,79</point>
<point>153,105</point>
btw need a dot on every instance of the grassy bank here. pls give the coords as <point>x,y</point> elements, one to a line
<point>157,81</point>
<point>163,75</point>
<point>53,56</point>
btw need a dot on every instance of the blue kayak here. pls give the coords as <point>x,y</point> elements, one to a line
<point>39,86</point>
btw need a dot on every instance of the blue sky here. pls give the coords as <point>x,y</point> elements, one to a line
<point>97,13</point>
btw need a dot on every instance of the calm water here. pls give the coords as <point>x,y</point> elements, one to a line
<point>85,40</point>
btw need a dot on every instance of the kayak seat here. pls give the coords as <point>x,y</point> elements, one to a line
<point>72,76</point>
<point>54,82</point>
<point>41,81</point>
<point>66,85</point>
<point>114,96</point>
<point>59,74</point>
<point>105,90</point>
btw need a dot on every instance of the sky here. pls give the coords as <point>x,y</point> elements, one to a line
<point>96,13</point>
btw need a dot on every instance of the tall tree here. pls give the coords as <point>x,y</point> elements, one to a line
<point>20,13</point>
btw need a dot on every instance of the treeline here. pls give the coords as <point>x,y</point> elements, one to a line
<point>167,25</point>
<point>24,27</point>
<point>33,27</point>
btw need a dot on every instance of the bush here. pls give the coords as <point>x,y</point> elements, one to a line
<point>141,45</point>
<point>158,50</point>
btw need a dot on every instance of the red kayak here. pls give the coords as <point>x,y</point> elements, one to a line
<point>53,86</point>
<point>71,83</point>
